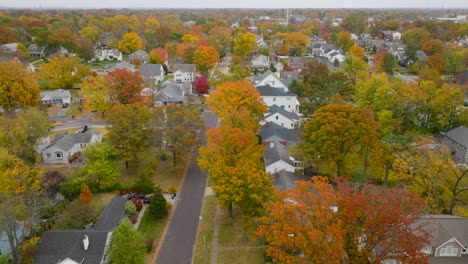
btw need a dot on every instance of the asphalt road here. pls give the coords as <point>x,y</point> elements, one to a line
<point>178,243</point>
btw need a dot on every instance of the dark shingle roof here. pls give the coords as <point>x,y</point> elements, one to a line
<point>267,90</point>
<point>277,109</point>
<point>275,152</point>
<point>67,141</point>
<point>61,244</point>
<point>150,70</point>
<point>286,180</point>
<point>184,67</point>
<point>459,135</point>
<point>111,216</point>
<point>272,129</point>
<point>445,227</point>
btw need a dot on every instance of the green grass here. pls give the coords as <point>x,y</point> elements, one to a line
<point>100,64</point>
<point>44,84</point>
<point>241,256</point>
<point>205,232</point>
<point>151,227</point>
<point>232,232</point>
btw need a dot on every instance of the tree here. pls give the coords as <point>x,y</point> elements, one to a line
<point>437,62</point>
<point>355,23</point>
<point>201,85</point>
<point>158,206</point>
<point>205,58</point>
<point>127,245</point>
<point>101,171</point>
<point>180,129</point>
<point>18,86</point>
<point>335,131</point>
<point>344,40</point>
<point>244,44</point>
<point>85,196</point>
<point>230,98</point>
<point>384,61</point>
<point>51,181</point>
<point>353,65</point>
<point>125,86</point>
<point>432,47</point>
<point>233,157</point>
<point>130,42</point>
<point>303,225</point>
<point>414,38</point>
<point>90,32</point>
<point>392,24</point>
<point>220,37</point>
<point>357,52</point>
<point>64,72</point>
<point>187,38</point>
<point>62,37</point>
<point>297,40</point>
<point>130,132</point>
<point>95,94</point>
<point>145,183</point>
<point>6,35</point>
<point>158,56</point>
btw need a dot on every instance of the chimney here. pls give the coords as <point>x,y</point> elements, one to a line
<point>85,242</point>
<point>272,144</point>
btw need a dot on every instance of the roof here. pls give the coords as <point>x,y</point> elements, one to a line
<point>58,245</point>
<point>272,129</point>
<point>171,92</point>
<point>445,227</point>
<point>35,48</point>
<point>112,215</point>
<point>184,67</point>
<point>150,70</point>
<point>139,53</point>
<point>10,46</point>
<point>267,90</point>
<point>123,65</point>
<point>275,152</point>
<point>66,141</point>
<point>459,135</point>
<point>285,180</point>
<point>56,94</point>
<point>448,260</point>
<point>277,109</point>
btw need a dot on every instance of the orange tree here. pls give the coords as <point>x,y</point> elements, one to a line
<point>205,58</point>
<point>354,224</point>
<point>335,131</point>
<point>125,86</point>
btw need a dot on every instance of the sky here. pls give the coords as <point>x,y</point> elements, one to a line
<point>87,4</point>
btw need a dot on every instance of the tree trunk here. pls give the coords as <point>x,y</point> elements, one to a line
<point>230,210</point>
<point>339,164</point>
<point>174,156</point>
<point>126,164</point>
<point>366,161</point>
<point>387,169</point>
<point>102,114</point>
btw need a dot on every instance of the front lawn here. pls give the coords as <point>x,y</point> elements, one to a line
<point>232,232</point>
<point>205,231</point>
<point>241,256</point>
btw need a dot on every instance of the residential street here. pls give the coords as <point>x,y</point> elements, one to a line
<point>178,243</point>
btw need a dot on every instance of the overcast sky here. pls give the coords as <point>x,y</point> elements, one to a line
<point>234,4</point>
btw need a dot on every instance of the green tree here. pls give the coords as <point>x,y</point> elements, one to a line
<point>388,63</point>
<point>414,38</point>
<point>158,206</point>
<point>127,245</point>
<point>355,23</point>
<point>131,131</point>
<point>101,172</point>
<point>64,72</point>
<point>352,65</point>
<point>145,183</point>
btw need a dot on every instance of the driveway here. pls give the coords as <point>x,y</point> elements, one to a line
<point>178,243</point>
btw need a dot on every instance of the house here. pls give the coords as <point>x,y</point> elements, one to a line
<point>270,78</point>
<point>184,73</point>
<point>35,51</point>
<point>457,141</point>
<point>105,40</point>
<point>260,62</point>
<point>271,132</point>
<point>58,96</point>
<point>66,146</point>
<point>365,36</point>
<point>259,39</point>
<point>152,72</point>
<point>42,144</point>
<point>296,63</point>
<point>279,67</point>
<point>398,50</point>
<point>82,246</point>
<point>462,78</point>
<point>286,180</point>
<point>277,158</point>
<point>9,47</point>
<point>279,96</point>
<point>107,54</point>
<point>334,55</point>
<point>123,65</point>
<point>391,35</point>
<point>173,93</point>
<point>281,117</point>
<point>448,242</point>
<point>140,55</point>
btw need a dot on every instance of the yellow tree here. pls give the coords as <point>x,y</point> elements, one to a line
<point>130,42</point>
<point>18,86</point>
<point>231,99</point>
<point>189,38</point>
<point>298,41</point>
<point>357,52</point>
<point>95,94</point>
<point>354,64</point>
<point>244,44</point>
<point>64,72</point>
<point>205,58</point>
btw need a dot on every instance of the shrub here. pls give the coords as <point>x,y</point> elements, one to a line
<point>29,250</point>
<point>158,207</point>
<point>162,155</point>
<point>144,183</point>
<point>85,195</point>
<point>130,209</point>
<point>133,219</point>
<point>169,206</point>
<point>76,217</point>
<point>138,203</point>
<point>149,245</point>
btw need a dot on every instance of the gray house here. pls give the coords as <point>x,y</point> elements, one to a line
<point>139,54</point>
<point>152,72</point>
<point>173,93</point>
<point>35,51</point>
<point>273,133</point>
<point>457,141</point>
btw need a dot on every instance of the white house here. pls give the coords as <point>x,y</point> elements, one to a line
<point>9,47</point>
<point>260,62</point>
<point>184,73</point>
<point>65,146</point>
<point>270,78</point>
<point>58,96</point>
<point>391,35</point>
<point>108,54</point>
<point>333,55</point>
<point>35,51</point>
<point>281,117</point>
<point>279,96</point>
<point>152,72</point>
<point>277,158</point>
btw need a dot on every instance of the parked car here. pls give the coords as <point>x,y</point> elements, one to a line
<point>64,105</point>
<point>147,199</point>
<point>137,195</point>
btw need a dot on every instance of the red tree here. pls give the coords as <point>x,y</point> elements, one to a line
<point>85,195</point>
<point>125,86</point>
<point>202,86</point>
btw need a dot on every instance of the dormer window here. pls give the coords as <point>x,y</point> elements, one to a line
<point>426,249</point>
<point>449,251</point>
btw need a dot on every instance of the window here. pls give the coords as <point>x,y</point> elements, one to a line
<point>274,99</point>
<point>277,117</point>
<point>48,155</point>
<point>58,155</point>
<point>282,124</point>
<point>426,249</point>
<point>292,124</point>
<point>448,251</point>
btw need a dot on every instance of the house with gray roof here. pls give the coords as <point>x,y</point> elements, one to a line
<point>173,93</point>
<point>272,132</point>
<point>35,51</point>
<point>286,180</point>
<point>9,47</point>
<point>184,73</point>
<point>153,73</point>
<point>123,65</point>
<point>279,96</point>
<point>140,55</point>
<point>66,145</point>
<point>271,79</point>
<point>457,141</point>
<point>260,62</point>
<point>277,158</point>
<point>58,96</point>
<point>281,117</point>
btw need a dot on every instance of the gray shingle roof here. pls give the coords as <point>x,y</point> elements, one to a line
<point>277,109</point>
<point>445,227</point>
<point>123,65</point>
<point>112,215</point>
<point>67,141</point>
<point>285,180</point>
<point>184,67</point>
<point>275,152</point>
<point>61,244</point>
<point>272,129</point>
<point>150,70</point>
<point>56,94</point>
<point>267,90</point>
<point>459,135</point>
